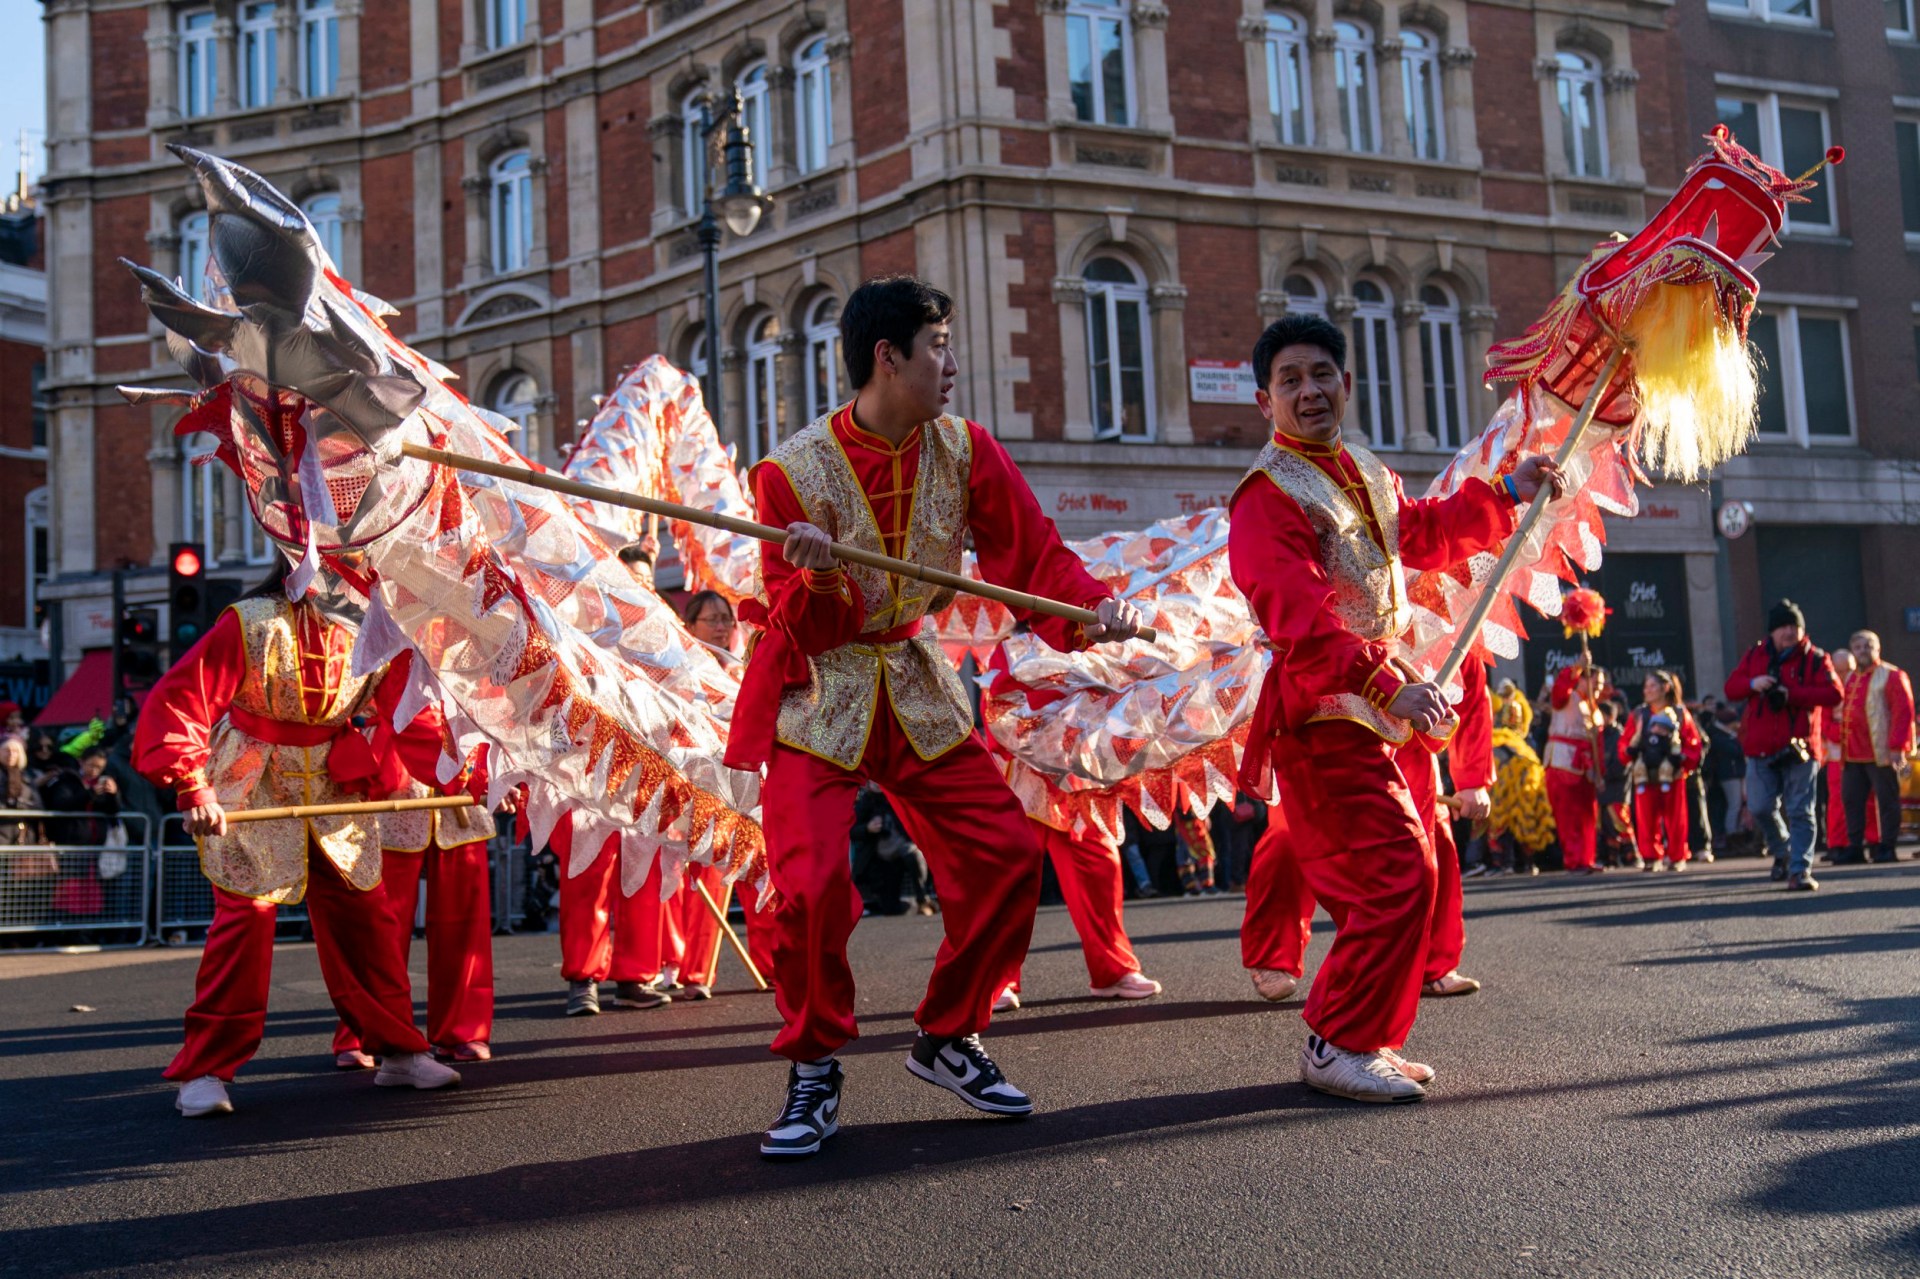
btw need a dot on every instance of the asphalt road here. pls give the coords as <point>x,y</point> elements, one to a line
<point>1688,1075</point>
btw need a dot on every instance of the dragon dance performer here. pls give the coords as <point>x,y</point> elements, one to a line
<point>844,686</point>
<point>606,934</point>
<point>1573,763</point>
<point>265,711</point>
<point>1661,746</point>
<point>1279,917</point>
<point>1319,532</point>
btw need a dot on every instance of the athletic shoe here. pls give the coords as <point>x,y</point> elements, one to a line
<point>583,999</point>
<point>926,908</point>
<point>476,1050</point>
<point>811,1115</point>
<point>634,994</point>
<point>1273,984</point>
<point>1454,983</point>
<point>1802,883</point>
<point>1356,1076</point>
<point>1007,1000</point>
<point>1779,870</point>
<point>962,1067</point>
<point>1130,986</point>
<point>698,990</point>
<point>1474,871</point>
<point>414,1070</point>
<point>1882,854</point>
<point>352,1059</point>
<point>1706,855</point>
<point>206,1095</point>
<point>1419,1072</point>
<point>1676,867</point>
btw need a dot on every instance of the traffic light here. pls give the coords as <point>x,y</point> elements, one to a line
<point>186,596</point>
<point>138,642</point>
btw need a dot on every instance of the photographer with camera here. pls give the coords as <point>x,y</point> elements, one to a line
<point>1785,682</point>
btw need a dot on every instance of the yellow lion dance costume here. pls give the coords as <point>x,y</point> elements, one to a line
<point>1520,805</point>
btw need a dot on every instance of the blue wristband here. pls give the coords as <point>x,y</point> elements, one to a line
<point>1513,490</point>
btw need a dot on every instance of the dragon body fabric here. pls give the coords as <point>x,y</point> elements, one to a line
<point>532,636</point>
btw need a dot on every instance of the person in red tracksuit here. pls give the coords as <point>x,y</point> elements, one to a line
<point>1660,746</point>
<point>1573,766</point>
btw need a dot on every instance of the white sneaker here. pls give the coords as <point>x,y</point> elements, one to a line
<point>1007,1000</point>
<point>414,1070</point>
<point>1130,986</point>
<point>1419,1072</point>
<point>1356,1076</point>
<point>206,1095</point>
<point>1273,984</point>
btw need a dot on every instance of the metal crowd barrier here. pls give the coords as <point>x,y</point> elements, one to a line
<point>68,890</point>
<point>182,896</point>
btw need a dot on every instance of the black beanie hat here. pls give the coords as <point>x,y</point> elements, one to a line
<point>1786,613</point>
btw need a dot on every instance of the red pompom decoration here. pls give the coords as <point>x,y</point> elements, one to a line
<point>1836,154</point>
<point>1583,612</point>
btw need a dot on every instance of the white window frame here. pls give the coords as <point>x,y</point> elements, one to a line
<point>1420,90</point>
<point>1289,68</point>
<point>1906,30</point>
<point>257,53</point>
<point>510,211</point>
<point>200,494</point>
<point>518,410</point>
<point>506,23</point>
<point>1112,296</point>
<point>1763,11</point>
<point>693,154</point>
<point>196,250</point>
<point>812,106</point>
<point>822,334</point>
<point>1353,48</point>
<point>756,113</point>
<point>1089,17</point>
<point>199,62</point>
<point>1912,236</point>
<point>38,509</point>
<point>1376,341</point>
<point>323,210</point>
<point>1769,103</point>
<point>319,49</point>
<point>762,386</point>
<point>697,353</point>
<point>1580,75</point>
<point>1440,328</point>
<point>1793,385</point>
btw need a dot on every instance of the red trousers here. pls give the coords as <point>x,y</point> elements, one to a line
<point>603,934</point>
<point>1837,836</point>
<point>701,943</point>
<point>1576,815</point>
<point>1447,930</point>
<point>365,976</point>
<point>1091,880</point>
<point>1364,853</point>
<point>459,940</point>
<point>1660,821</point>
<point>978,843</point>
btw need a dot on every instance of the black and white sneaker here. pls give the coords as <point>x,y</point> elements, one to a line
<point>962,1066</point>
<point>811,1115</point>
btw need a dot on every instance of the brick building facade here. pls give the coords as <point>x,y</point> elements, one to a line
<point>1119,193</point>
<point>24,501</point>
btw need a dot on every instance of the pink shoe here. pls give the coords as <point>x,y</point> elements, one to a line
<point>1130,986</point>
<point>1274,984</point>
<point>1419,1072</point>
<point>478,1050</point>
<point>1454,983</point>
<point>352,1059</point>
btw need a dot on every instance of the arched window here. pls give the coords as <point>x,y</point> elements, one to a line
<point>199,69</point>
<point>259,53</point>
<point>697,353</point>
<point>763,387</point>
<point>1420,87</point>
<point>1583,124</point>
<point>324,212</point>
<point>693,155</point>
<point>203,497</point>
<point>1289,84</point>
<point>1119,348</point>
<point>1100,60</point>
<point>823,357</point>
<point>1354,84</point>
<point>516,397</point>
<point>1305,296</point>
<point>813,106</point>
<point>1376,364</point>
<point>1446,389</point>
<point>510,210</point>
<point>319,48</point>
<point>194,254</point>
<point>755,113</point>
<point>506,22</point>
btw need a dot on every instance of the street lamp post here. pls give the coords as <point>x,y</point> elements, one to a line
<point>740,202</point>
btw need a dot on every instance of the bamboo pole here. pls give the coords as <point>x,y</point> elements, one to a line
<point>1477,615</point>
<point>764,532</point>
<point>349,809</point>
<point>726,930</point>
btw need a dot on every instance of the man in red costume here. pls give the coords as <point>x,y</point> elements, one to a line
<point>605,932</point>
<point>262,712</point>
<point>1319,535</point>
<point>1878,749</point>
<point>843,686</point>
<point>1573,762</point>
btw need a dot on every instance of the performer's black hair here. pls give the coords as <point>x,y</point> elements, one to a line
<point>1297,330</point>
<point>887,308</point>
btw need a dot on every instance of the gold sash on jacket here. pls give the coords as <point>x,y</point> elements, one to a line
<point>832,715</point>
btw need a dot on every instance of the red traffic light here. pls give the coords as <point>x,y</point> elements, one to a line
<point>186,561</point>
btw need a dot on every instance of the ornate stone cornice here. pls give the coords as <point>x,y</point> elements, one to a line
<point>1457,55</point>
<point>838,47</point>
<point>1149,15</point>
<point>1340,309</point>
<point>1272,304</point>
<point>474,184</point>
<point>1409,312</point>
<point>1390,50</point>
<point>779,77</point>
<point>665,126</point>
<point>1253,30</point>
<point>1481,319</point>
<point>1324,40</point>
<point>1545,68</point>
<point>1167,297</point>
<point>1051,6</point>
<point>1620,80</point>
